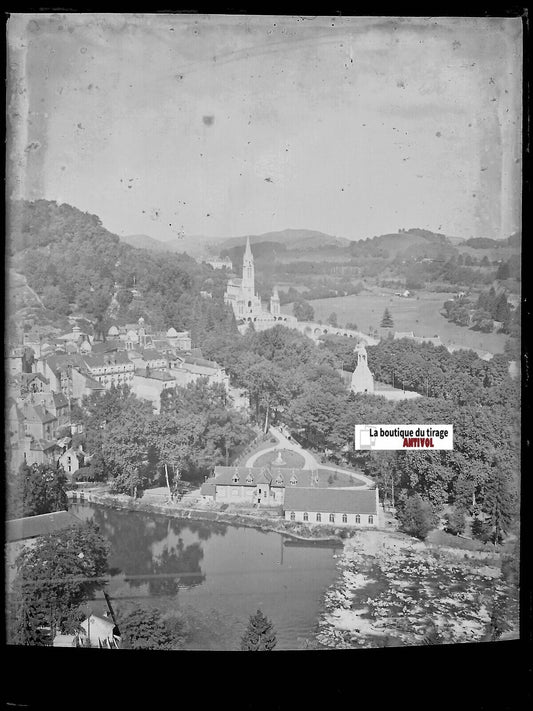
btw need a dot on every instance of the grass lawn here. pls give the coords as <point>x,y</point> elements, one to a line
<point>328,478</point>
<point>420,315</point>
<point>291,459</point>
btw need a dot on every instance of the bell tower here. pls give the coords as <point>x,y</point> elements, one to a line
<point>248,274</point>
<point>274,303</point>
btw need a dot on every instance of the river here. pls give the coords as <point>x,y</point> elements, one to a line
<point>217,575</point>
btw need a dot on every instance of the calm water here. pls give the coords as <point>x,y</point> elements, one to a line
<point>217,574</point>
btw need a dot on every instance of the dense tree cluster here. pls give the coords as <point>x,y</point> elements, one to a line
<point>37,489</point>
<point>74,263</point>
<point>148,628</point>
<point>54,578</point>
<point>481,315</point>
<point>133,448</point>
<point>289,379</point>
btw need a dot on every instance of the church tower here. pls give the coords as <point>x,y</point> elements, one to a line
<point>362,378</point>
<point>274,303</point>
<point>248,274</point>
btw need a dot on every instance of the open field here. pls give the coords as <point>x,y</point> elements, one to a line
<point>420,314</point>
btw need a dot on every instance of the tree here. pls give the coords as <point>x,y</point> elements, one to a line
<point>498,504</point>
<point>416,517</point>
<point>502,272</point>
<point>303,310</point>
<point>259,635</point>
<point>455,521</point>
<point>480,530</point>
<point>387,321</point>
<point>54,577</point>
<point>332,319</point>
<point>39,489</point>
<point>125,447</point>
<point>143,628</point>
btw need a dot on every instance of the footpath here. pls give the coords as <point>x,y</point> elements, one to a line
<point>310,461</point>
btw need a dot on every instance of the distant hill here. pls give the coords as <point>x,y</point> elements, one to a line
<point>64,261</point>
<point>146,242</point>
<point>292,239</point>
<point>409,243</point>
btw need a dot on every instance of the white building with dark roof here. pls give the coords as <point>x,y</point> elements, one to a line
<point>338,507</point>
<point>304,494</point>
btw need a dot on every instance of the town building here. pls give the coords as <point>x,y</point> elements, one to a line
<point>271,486</point>
<point>435,340</point>
<point>110,368</point>
<point>222,263</point>
<point>139,336</point>
<point>71,460</point>
<point>78,341</point>
<point>149,384</point>
<point>246,304</point>
<point>336,507</point>
<point>68,374</point>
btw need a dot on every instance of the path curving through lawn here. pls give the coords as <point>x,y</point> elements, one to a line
<point>309,461</point>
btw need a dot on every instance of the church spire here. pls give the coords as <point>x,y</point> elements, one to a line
<point>248,250</point>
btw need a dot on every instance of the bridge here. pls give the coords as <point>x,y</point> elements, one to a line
<point>316,330</point>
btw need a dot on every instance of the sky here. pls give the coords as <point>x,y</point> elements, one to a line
<point>171,125</point>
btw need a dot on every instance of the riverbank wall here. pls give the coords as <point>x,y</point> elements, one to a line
<point>230,518</point>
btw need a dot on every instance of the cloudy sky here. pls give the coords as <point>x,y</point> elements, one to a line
<point>226,125</point>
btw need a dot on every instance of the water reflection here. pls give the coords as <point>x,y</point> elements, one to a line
<point>164,553</point>
<point>217,575</point>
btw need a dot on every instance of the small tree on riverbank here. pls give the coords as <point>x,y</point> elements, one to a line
<point>260,635</point>
<point>416,517</point>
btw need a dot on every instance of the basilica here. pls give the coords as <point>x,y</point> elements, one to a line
<point>247,305</point>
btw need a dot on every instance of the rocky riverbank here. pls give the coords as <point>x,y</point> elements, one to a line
<point>393,589</point>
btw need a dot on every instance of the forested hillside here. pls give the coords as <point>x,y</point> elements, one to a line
<point>73,263</point>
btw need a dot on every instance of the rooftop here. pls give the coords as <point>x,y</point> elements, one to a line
<point>20,529</point>
<point>361,501</point>
<point>153,374</point>
<point>32,412</point>
<point>152,354</point>
<point>99,360</point>
<point>43,445</point>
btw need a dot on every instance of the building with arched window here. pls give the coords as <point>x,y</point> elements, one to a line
<point>342,507</point>
<point>302,494</point>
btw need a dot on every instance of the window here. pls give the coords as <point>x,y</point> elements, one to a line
<point>293,480</point>
<point>344,518</point>
<point>249,479</point>
<point>357,518</point>
<point>235,479</point>
<point>293,516</point>
<point>318,517</point>
<point>306,516</point>
<point>370,519</point>
<point>332,518</point>
<point>279,479</point>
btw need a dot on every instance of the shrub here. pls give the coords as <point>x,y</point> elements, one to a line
<point>416,517</point>
<point>455,521</point>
